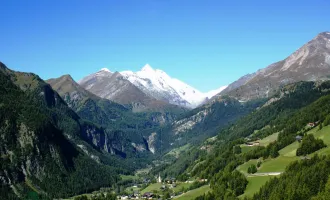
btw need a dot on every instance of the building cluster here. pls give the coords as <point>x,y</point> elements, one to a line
<point>168,183</point>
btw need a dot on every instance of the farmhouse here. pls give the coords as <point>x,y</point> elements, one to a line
<point>312,124</point>
<point>251,144</point>
<point>148,195</point>
<point>298,138</point>
<point>163,187</point>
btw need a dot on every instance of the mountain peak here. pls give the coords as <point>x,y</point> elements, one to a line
<point>105,70</point>
<point>66,77</point>
<point>147,67</point>
<point>310,62</point>
<point>321,37</point>
<point>325,33</point>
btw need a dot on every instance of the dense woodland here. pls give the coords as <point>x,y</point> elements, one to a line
<point>301,180</point>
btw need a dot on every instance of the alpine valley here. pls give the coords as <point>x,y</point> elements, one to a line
<point>146,135</point>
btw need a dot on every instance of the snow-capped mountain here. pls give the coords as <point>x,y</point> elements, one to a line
<point>158,84</point>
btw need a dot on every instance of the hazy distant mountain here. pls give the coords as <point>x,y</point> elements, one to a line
<point>309,63</point>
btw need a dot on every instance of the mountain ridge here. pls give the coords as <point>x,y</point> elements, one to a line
<point>167,88</point>
<point>308,63</point>
<point>156,84</point>
<point>113,86</point>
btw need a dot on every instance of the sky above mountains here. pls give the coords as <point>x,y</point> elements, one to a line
<point>206,44</point>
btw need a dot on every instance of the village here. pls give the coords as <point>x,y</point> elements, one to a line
<point>169,188</point>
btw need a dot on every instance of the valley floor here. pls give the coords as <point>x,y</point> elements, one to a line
<point>271,167</point>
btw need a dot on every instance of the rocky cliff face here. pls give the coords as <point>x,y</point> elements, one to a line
<point>207,120</point>
<point>187,124</point>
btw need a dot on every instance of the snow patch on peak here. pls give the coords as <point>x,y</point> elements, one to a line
<point>212,93</point>
<point>105,70</point>
<point>126,73</point>
<point>160,71</point>
<point>158,84</point>
<point>190,94</point>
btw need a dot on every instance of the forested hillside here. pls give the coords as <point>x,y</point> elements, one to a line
<point>43,146</point>
<point>301,180</point>
<point>206,121</point>
<point>287,113</point>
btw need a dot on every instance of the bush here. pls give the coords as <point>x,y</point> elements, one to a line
<point>309,145</point>
<point>252,169</point>
<point>237,149</point>
<point>259,163</point>
<point>83,197</point>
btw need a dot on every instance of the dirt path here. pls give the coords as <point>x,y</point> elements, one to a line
<point>265,174</point>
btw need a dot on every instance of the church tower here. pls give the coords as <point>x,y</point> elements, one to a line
<point>159,178</point>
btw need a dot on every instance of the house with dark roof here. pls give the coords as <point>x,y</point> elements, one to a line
<point>299,138</point>
<point>148,195</point>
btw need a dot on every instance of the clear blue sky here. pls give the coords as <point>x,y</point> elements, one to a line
<point>204,43</point>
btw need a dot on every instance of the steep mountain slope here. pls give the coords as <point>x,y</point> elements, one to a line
<point>207,120</point>
<point>309,63</point>
<point>127,132</point>
<point>157,84</point>
<point>45,148</point>
<point>113,86</point>
<point>203,122</point>
<point>287,114</point>
<point>86,104</point>
<point>238,83</point>
<point>71,92</point>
